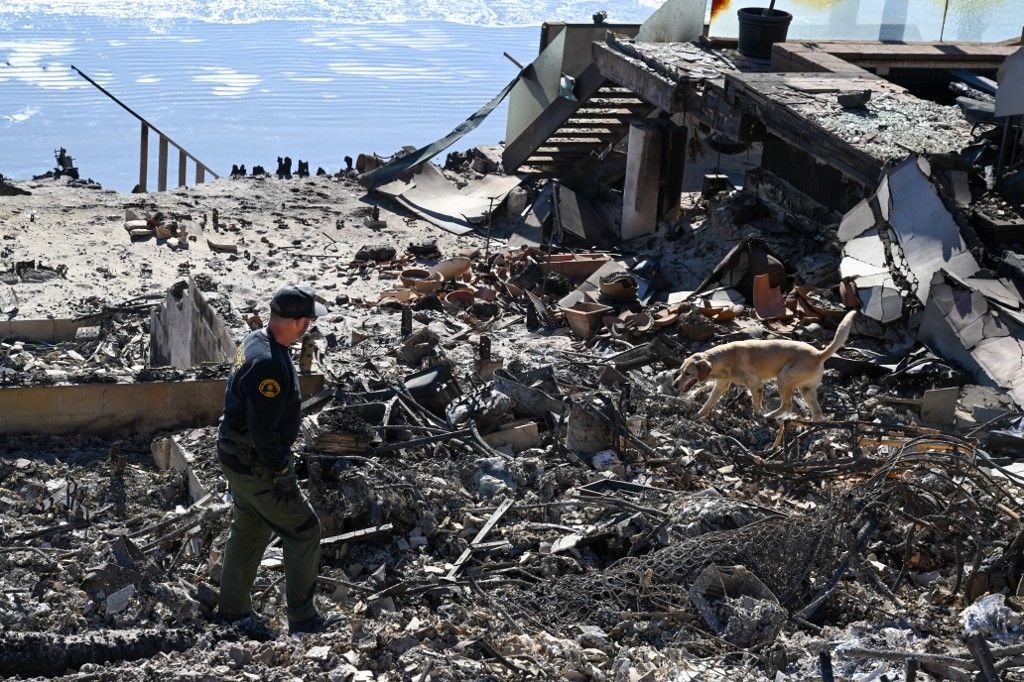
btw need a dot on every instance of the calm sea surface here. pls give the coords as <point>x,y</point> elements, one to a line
<point>245,81</point>
<point>244,93</point>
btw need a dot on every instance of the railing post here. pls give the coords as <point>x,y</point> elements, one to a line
<point>182,160</point>
<point>143,157</point>
<point>161,178</point>
<point>165,141</point>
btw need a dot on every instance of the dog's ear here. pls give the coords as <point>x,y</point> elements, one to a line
<point>703,368</point>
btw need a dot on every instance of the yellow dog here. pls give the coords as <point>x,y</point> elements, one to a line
<point>797,366</point>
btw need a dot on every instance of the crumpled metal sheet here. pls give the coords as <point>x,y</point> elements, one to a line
<point>433,197</point>
<point>961,324</point>
<point>398,167</point>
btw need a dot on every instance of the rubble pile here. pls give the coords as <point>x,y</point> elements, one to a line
<point>114,349</point>
<point>514,476</point>
<point>501,500</point>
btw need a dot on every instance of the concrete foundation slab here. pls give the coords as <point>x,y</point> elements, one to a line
<point>118,408</point>
<point>45,331</point>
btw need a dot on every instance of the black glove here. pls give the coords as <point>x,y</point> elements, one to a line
<point>286,488</point>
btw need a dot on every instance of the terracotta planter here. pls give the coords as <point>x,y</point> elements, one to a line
<point>576,266</point>
<point>453,268</point>
<point>619,286</point>
<point>429,285</point>
<point>460,297</point>
<point>410,277</point>
<point>585,318</point>
<point>666,317</point>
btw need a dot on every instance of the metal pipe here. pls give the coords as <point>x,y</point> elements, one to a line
<point>513,60</point>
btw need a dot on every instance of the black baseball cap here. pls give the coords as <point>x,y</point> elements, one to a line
<point>296,301</point>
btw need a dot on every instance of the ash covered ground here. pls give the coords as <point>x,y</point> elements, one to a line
<point>642,545</point>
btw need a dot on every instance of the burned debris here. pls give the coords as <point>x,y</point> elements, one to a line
<point>513,476</point>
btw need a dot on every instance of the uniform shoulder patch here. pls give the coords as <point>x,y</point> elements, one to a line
<point>269,388</point>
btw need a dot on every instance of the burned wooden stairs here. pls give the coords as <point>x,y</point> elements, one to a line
<point>569,132</point>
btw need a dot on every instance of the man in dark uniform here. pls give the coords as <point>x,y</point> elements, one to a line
<point>260,423</point>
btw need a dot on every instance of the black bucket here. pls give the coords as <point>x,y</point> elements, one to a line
<point>760,29</point>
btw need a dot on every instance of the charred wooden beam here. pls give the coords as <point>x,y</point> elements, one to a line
<point>478,540</point>
<point>607,127</point>
<point>33,654</point>
<point>602,113</point>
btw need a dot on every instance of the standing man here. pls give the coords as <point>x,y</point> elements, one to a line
<point>260,423</point>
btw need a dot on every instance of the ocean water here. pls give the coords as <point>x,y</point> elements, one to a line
<point>246,82</point>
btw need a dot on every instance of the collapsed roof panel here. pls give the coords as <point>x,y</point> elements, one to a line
<point>927,233</point>
<point>926,239</point>
<point>904,239</point>
<point>804,110</point>
<point>436,199</point>
<point>962,325</point>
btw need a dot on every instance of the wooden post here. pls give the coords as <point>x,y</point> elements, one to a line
<point>673,163</point>
<point>643,170</point>
<point>161,177</point>
<point>143,157</point>
<point>200,173</point>
<point>182,160</point>
<point>144,142</point>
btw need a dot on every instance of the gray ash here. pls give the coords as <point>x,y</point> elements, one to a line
<point>344,421</point>
<point>995,206</point>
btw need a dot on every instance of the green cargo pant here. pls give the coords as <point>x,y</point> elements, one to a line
<point>256,516</point>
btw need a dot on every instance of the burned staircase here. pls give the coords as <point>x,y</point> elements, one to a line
<point>568,132</point>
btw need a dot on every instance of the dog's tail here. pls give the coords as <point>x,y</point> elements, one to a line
<point>842,333</point>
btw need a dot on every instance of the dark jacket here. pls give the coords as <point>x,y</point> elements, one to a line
<point>262,405</point>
